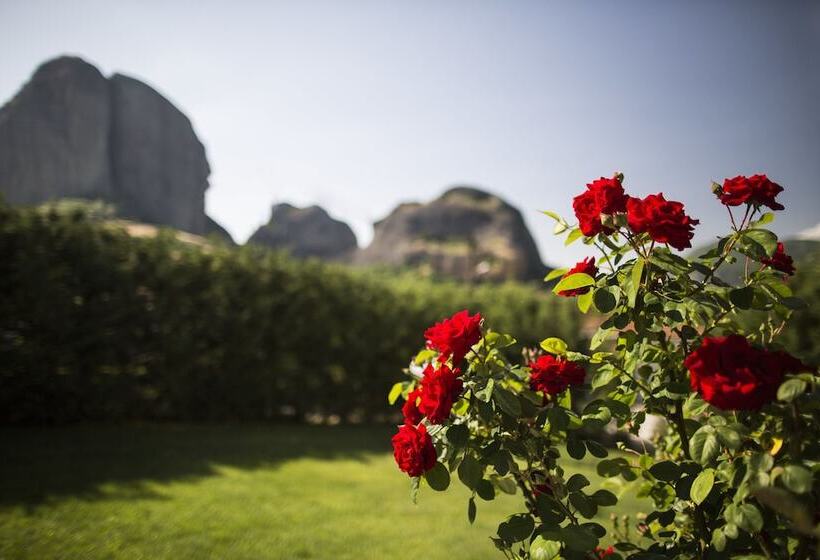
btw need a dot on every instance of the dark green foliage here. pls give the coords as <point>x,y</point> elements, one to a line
<point>96,324</point>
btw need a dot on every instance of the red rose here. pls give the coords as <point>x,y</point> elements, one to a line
<point>586,266</point>
<point>757,190</point>
<point>545,488</point>
<point>440,388</point>
<point>551,375</point>
<point>413,450</point>
<point>411,409</point>
<point>601,553</point>
<point>664,220</point>
<point>780,261</point>
<point>733,375</point>
<point>604,196</point>
<point>454,336</point>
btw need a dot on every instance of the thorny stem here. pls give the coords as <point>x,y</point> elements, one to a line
<point>700,519</point>
<point>728,250</point>
<point>680,425</point>
<point>643,387</point>
<point>763,545</point>
<point>606,257</point>
<point>631,240</point>
<point>529,496</point>
<point>716,320</point>
<point>731,217</point>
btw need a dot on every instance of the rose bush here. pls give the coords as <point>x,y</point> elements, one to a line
<point>736,474</point>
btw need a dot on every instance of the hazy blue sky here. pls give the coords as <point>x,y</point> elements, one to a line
<point>358,105</point>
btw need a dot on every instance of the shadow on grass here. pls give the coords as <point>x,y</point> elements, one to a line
<point>40,464</point>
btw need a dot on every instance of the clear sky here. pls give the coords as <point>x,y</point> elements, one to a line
<point>359,105</point>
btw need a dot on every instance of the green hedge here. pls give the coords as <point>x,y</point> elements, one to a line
<point>96,324</point>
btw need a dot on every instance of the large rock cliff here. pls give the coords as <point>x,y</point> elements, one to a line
<point>306,232</point>
<point>466,234</point>
<point>70,132</point>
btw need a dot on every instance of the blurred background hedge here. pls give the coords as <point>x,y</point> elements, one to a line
<point>96,324</point>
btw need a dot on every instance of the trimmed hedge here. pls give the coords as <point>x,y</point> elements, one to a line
<point>98,325</point>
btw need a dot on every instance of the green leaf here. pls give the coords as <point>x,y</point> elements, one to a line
<point>747,517</point>
<point>599,338</point>
<point>702,486</point>
<point>555,273</point>
<point>730,530</point>
<point>574,235</point>
<point>498,340</point>
<point>797,479</point>
<point>761,461</point>
<point>584,301</point>
<point>766,218</point>
<point>791,389</point>
<point>471,511</point>
<point>485,490</point>
<point>395,392</point>
<point>596,449</point>
<point>667,471</point>
<point>576,449</point>
<point>553,215</point>
<point>507,401</point>
<point>586,507</point>
<point>636,275</point>
<point>742,297</point>
<point>458,435</point>
<point>554,346</point>
<point>543,549</point>
<point>578,538</point>
<point>517,528</point>
<point>576,482</point>
<point>565,399</point>
<point>718,540</point>
<point>604,300</point>
<point>695,405</point>
<point>604,498</point>
<point>549,509</point>
<point>438,478</point>
<point>608,468</point>
<point>704,445</point>
<point>729,437</point>
<point>506,485</point>
<point>603,376</point>
<point>596,415</point>
<point>573,282</point>
<point>764,238</point>
<point>425,356</point>
<point>485,394</point>
<point>470,471</point>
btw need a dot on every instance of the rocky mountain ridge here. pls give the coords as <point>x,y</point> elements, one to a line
<point>72,133</point>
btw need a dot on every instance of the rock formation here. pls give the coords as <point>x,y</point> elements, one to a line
<point>466,234</point>
<point>306,232</point>
<point>70,132</point>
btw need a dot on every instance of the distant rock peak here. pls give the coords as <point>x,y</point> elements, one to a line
<point>70,132</point>
<point>306,232</point>
<point>466,233</point>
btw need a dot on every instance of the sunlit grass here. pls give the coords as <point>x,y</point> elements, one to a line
<point>229,492</point>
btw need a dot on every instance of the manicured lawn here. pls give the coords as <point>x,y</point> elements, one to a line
<point>229,492</point>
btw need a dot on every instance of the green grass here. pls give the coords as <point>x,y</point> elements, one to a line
<point>229,492</point>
